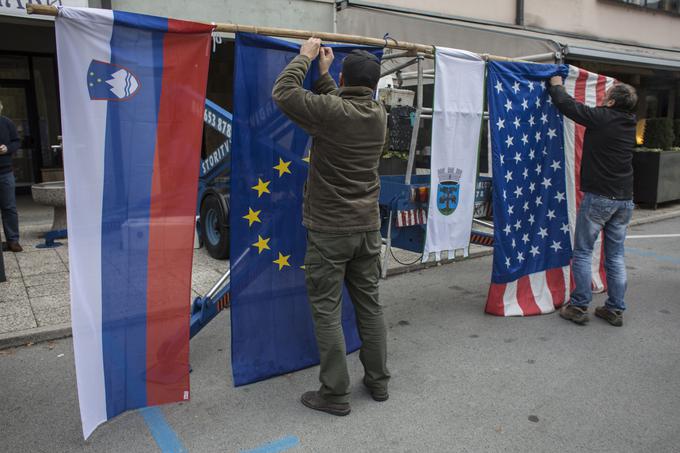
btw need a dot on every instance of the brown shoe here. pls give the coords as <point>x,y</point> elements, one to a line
<point>613,317</point>
<point>574,314</point>
<point>13,247</point>
<point>314,400</point>
<point>377,395</point>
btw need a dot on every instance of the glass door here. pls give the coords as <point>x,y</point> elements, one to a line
<point>15,96</point>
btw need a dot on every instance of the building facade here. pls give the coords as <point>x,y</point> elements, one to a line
<point>636,41</point>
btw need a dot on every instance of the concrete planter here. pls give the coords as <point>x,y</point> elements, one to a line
<point>656,177</point>
<point>52,194</point>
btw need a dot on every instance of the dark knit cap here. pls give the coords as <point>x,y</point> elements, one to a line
<point>361,68</point>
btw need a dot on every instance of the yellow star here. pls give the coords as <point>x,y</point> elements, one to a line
<point>282,261</point>
<point>306,159</point>
<point>252,217</point>
<point>261,244</point>
<point>282,167</point>
<point>261,187</point>
<point>303,267</point>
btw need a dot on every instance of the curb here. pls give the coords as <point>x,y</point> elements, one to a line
<point>37,335</point>
<point>655,218</point>
<point>42,334</point>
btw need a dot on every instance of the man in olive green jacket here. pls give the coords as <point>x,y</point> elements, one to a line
<point>341,213</point>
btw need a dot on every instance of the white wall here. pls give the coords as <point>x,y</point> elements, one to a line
<point>491,10</point>
<point>596,18</point>
<point>300,14</point>
<point>605,20</point>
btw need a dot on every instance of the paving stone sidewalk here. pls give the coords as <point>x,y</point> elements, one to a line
<point>35,305</point>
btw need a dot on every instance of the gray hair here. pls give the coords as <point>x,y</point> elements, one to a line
<point>624,96</point>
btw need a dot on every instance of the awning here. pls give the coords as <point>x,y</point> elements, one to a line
<point>624,54</point>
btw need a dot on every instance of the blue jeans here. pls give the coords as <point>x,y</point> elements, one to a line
<point>8,207</point>
<point>595,214</point>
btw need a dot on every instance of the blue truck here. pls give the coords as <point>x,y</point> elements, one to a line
<point>212,205</point>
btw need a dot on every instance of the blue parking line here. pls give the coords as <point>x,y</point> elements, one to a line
<point>656,256</point>
<point>282,444</point>
<point>163,434</point>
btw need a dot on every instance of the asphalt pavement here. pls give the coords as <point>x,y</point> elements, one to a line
<point>462,380</point>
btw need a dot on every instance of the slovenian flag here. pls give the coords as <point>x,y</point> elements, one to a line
<point>132,95</point>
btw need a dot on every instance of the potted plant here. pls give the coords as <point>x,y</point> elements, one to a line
<point>393,162</point>
<point>656,165</point>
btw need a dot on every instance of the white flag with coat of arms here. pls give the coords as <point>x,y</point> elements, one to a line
<point>456,125</point>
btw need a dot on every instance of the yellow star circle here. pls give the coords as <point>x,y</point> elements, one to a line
<point>282,167</point>
<point>252,217</point>
<point>261,187</point>
<point>261,244</point>
<point>282,261</point>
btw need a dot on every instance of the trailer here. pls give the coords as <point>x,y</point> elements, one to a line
<point>212,207</point>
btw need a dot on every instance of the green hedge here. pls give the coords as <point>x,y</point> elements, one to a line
<point>676,128</point>
<point>659,133</point>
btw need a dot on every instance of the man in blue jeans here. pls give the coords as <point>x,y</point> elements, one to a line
<point>9,143</point>
<point>607,183</point>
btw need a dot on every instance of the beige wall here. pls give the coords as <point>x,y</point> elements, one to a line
<point>492,10</point>
<point>604,20</point>
<point>587,17</point>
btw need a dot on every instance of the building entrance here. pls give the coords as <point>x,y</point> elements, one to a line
<point>18,102</point>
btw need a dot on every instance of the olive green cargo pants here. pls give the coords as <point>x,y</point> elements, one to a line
<point>354,259</point>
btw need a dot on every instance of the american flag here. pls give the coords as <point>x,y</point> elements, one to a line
<point>532,236</point>
<point>588,88</point>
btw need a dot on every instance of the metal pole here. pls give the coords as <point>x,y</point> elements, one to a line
<point>392,56</point>
<point>220,283</point>
<point>519,12</point>
<point>483,223</point>
<point>416,123</point>
<point>399,67</point>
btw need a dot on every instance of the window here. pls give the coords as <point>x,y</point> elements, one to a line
<point>672,6</point>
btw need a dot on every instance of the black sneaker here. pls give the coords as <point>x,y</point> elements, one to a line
<point>377,395</point>
<point>314,400</point>
<point>575,314</point>
<point>613,317</point>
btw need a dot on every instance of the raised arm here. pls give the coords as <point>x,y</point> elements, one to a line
<point>302,106</point>
<point>590,117</point>
<point>325,84</point>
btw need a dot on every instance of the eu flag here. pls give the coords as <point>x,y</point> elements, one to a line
<point>271,324</point>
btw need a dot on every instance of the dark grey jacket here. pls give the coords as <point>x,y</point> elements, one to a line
<point>348,129</point>
<point>607,162</point>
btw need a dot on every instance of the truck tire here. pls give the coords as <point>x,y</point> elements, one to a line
<point>215,228</point>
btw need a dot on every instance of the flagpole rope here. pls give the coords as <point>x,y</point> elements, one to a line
<point>392,43</point>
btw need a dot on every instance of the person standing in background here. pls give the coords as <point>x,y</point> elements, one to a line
<point>9,143</point>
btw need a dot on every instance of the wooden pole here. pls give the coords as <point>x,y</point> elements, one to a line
<point>301,34</point>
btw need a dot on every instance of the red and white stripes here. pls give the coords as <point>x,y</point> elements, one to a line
<point>533,294</point>
<point>588,88</point>
<point>411,217</point>
<point>543,292</point>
